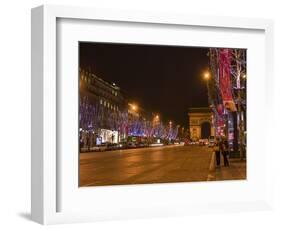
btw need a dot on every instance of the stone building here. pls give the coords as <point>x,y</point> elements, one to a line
<point>200,123</point>
<point>100,108</point>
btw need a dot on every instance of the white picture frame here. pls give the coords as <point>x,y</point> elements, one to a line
<point>46,165</point>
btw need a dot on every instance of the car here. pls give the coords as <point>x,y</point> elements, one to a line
<point>203,142</point>
<point>211,141</point>
<point>95,148</point>
<point>142,144</point>
<point>132,145</point>
<point>100,148</point>
<point>192,143</point>
<point>123,145</point>
<point>112,146</point>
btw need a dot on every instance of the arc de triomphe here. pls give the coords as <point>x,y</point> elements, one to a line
<point>200,123</point>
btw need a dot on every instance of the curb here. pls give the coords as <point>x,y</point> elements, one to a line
<point>212,168</point>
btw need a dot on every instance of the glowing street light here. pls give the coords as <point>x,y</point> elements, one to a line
<point>156,120</point>
<point>206,75</point>
<point>134,107</point>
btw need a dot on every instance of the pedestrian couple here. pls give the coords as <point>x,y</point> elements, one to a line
<point>221,147</point>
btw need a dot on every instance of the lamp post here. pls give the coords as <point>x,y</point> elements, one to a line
<point>207,77</point>
<point>156,119</point>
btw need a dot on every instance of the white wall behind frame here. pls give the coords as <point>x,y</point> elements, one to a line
<point>15,26</point>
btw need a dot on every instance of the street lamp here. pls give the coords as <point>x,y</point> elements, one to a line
<point>156,119</point>
<point>206,75</point>
<point>134,107</point>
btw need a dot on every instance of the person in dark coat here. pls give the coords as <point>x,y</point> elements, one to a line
<point>225,152</point>
<point>217,151</point>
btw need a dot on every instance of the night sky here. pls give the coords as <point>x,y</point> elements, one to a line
<point>161,79</point>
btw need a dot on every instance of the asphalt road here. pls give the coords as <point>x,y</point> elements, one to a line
<point>145,165</point>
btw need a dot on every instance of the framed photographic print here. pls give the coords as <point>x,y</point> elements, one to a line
<point>134,125</point>
<point>139,114</point>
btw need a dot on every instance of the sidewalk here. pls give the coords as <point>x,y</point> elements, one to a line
<point>235,171</point>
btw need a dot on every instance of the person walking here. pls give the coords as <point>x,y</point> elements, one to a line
<point>217,151</point>
<point>88,141</point>
<point>225,152</point>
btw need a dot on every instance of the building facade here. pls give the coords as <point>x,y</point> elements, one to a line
<point>102,107</point>
<point>227,91</point>
<point>107,116</point>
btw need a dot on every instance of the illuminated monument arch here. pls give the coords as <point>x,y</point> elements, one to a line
<point>200,123</point>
